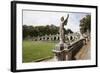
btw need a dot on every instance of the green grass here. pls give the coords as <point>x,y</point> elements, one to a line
<point>37,50</point>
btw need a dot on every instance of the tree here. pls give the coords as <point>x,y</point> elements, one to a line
<point>85,24</point>
<point>35,31</point>
<point>68,31</point>
<point>25,31</point>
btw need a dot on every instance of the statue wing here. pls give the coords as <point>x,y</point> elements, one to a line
<point>66,20</point>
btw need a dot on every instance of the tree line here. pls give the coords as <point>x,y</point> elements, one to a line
<point>85,24</point>
<point>34,31</point>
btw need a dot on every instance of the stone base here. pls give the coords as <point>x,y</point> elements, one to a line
<point>60,51</point>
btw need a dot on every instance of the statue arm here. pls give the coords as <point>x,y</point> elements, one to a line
<point>66,20</point>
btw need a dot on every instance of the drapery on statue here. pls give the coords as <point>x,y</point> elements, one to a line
<point>61,30</point>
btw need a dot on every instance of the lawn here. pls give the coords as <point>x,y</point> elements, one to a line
<point>34,51</point>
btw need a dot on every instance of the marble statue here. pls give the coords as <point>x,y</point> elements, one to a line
<point>61,30</point>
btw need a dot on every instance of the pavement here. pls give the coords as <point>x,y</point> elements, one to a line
<point>84,53</point>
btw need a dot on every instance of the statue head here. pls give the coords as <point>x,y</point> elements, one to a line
<point>62,18</point>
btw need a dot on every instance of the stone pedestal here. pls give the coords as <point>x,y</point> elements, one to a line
<point>61,51</point>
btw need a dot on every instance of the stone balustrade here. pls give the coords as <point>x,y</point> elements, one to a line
<point>69,37</point>
<point>69,52</point>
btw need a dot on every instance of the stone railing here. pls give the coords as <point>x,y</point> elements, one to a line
<point>69,51</point>
<point>69,37</point>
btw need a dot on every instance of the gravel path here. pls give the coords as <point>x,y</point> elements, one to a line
<point>84,53</point>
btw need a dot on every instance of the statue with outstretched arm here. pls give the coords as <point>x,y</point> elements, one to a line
<point>61,30</point>
<point>61,48</point>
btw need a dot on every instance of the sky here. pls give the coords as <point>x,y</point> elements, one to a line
<point>43,18</point>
